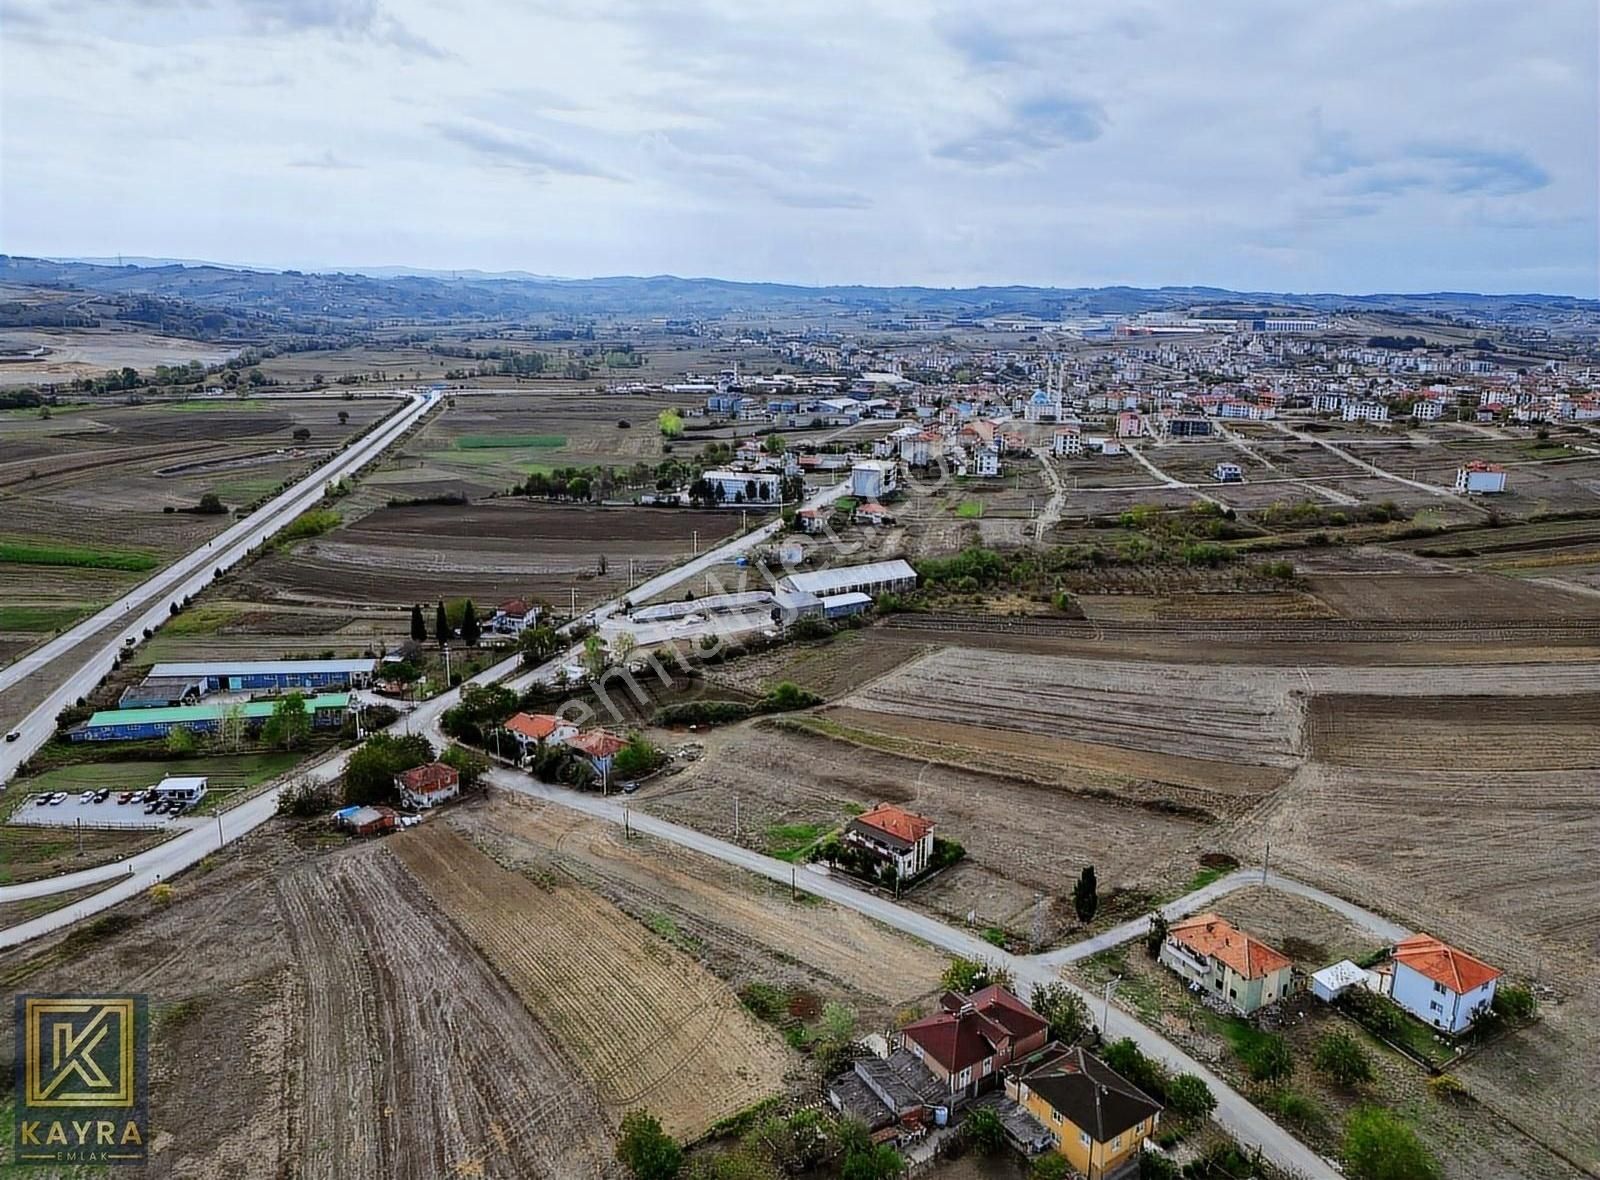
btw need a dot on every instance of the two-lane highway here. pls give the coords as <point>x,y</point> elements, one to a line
<point>149,603</point>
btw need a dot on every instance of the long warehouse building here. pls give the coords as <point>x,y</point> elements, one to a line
<point>875,577</point>
<point>131,725</point>
<point>269,675</point>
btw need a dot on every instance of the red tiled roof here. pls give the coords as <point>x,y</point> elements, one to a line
<point>897,821</point>
<point>535,726</point>
<point>597,743</point>
<point>1007,1010</point>
<point>429,779</point>
<point>1218,938</point>
<point>514,606</point>
<point>957,1040</point>
<point>1443,963</point>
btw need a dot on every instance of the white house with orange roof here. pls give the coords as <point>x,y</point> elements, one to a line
<point>894,834</point>
<point>1225,962</point>
<point>533,729</point>
<point>1439,984</point>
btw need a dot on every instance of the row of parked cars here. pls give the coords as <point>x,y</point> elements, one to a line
<point>152,805</point>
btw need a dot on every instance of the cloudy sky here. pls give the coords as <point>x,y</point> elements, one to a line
<point>1363,145</point>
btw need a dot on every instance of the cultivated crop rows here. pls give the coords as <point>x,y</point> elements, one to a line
<point>650,1027</point>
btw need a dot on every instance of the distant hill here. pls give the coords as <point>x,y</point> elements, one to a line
<point>399,293</point>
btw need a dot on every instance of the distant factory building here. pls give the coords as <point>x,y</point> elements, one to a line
<point>132,725</point>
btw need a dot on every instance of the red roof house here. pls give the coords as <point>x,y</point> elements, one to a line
<point>972,1038</point>
<point>428,786</point>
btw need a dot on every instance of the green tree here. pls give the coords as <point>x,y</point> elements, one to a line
<point>648,1151</point>
<point>1379,1146</point>
<point>774,444</point>
<point>537,644</point>
<point>1063,1008</point>
<point>302,434</point>
<point>211,505</point>
<point>290,722</point>
<point>369,775</point>
<point>969,975</point>
<point>1188,1097</point>
<point>1156,935</point>
<point>1340,1056</point>
<point>670,423</point>
<point>595,658</point>
<point>636,758</point>
<point>468,764</point>
<point>470,631</point>
<point>985,1131</point>
<point>876,1163</point>
<point>419,629</point>
<point>1052,1165</point>
<point>1268,1059</point>
<point>180,741</point>
<point>1086,895</point>
<point>441,624</point>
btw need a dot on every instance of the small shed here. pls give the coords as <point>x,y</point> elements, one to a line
<point>184,788</point>
<point>370,821</point>
<point>1332,982</point>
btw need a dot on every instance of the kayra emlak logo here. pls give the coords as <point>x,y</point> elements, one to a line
<point>81,1071</point>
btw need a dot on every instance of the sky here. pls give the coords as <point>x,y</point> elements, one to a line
<point>1358,146</point>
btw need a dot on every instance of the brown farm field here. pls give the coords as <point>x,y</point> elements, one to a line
<point>650,1026</point>
<point>490,551</point>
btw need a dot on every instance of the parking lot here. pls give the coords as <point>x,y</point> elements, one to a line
<point>70,812</point>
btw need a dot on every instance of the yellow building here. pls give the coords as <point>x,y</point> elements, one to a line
<point>1099,1119</point>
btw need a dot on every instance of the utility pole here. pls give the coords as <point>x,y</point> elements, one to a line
<point>574,602</point>
<point>220,841</point>
<point>80,835</point>
<point>627,829</point>
<point>1266,859</point>
<point>794,883</point>
<point>695,534</point>
<point>736,816</point>
<point>1105,1011</point>
<point>447,665</point>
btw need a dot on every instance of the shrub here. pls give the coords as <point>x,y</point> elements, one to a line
<point>985,1130</point>
<point>1267,1058</point>
<point>1448,1088</point>
<point>1188,1097</point>
<point>1064,1009</point>
<point>969,975</point>
<point>306,797</point>
<point>636,758</point>
<point>1294,1108</point>
<point>1126,1058</point>
<point>1378,1146</point>
<point>648,1151</point>
<point>1052,1165</point>
<point>161,894</point>
<point>1515,1003</point>
<point>1341,1058</point>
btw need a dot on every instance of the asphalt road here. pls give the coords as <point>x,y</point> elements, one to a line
<point>1243,1121</point>
<point>148,604</point>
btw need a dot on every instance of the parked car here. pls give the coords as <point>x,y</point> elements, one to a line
<point>140,797</point>
<point>86,796</point>
<point>102,794</point>
<point>42,800</point>
<point>58,797</point>
<point>125,797</point>
<point>152,808</point>
<point>629,787</point>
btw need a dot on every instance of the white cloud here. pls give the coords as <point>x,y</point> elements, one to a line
<point>1375,144</point>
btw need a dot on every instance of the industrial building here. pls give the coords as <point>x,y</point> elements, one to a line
<point>269,675</point>
<point>1478,478</point>
<point>133,725</point>
<point>875,577</point>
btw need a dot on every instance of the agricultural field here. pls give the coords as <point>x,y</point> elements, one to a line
<point>746,929</point>
<point>489,551</point>
<point>649,1026</point>
<point>830,668</point>
<point>1024,838</point>
<point>89,352</point>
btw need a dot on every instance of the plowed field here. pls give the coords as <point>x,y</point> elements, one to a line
<point>649,1026</point>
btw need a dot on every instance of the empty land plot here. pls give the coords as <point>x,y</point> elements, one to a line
<point>1485,597</point>
<point>1193,712</point>
<point>748,929</point>
<point>1498,864</point>
<point>1308,932</point>
<point>648,1025</point>
<point>1022,838</point>
<point>468,1083</point>
<point>493,550</point>
<point>1486,733</point>
<point>830,668</point>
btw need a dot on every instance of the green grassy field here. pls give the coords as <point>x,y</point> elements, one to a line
<point>791,842</point>
<point>38,618</point>
<point>198,620</point>
<point>969,509</point>
<point>480,442</point>
<point>201,405</point>
<point>35,553</point>
<point>230,772</point>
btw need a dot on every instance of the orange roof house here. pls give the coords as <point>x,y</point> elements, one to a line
<point>1443,963</point>
<point>896,821</point>
<point>1222,960</point>
<point>597,744</point>
<point>1220,939</point>
<point>895,836</point>
<point>429,785</point>
<point>538,727</point>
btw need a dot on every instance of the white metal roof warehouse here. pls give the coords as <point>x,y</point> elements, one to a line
<point>872,578</point>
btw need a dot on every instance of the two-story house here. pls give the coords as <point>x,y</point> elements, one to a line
<point>1227,963</point>
<point>895,835</point>
<point>1098,1118</point>
<point>971,1039</point>
<point>1439,984</point>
